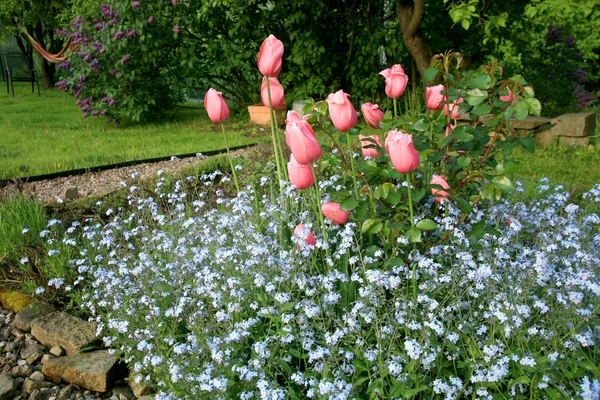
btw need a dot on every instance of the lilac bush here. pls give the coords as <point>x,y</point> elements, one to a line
<point>207,301</point>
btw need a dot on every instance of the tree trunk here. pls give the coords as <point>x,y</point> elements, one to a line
<point>410,14</point>
<point>26,49</point>
<point>48,68</point>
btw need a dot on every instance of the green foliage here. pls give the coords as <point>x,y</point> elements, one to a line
<point>21,221</point>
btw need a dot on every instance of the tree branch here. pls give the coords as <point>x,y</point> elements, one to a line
<point>415,20</point>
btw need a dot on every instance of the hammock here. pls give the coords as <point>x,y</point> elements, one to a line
<point>55,58</point>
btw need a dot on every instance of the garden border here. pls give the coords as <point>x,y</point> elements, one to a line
<point>80,171</point>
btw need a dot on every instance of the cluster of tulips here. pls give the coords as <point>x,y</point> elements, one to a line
<point>305,148</point>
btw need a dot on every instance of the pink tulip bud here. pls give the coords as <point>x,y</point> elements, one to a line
<point>333,212</point>
<point>216,107</point>
<point>453,108</point>
<point>342,112</point>
<point>439,194</point>
<point>434,97</point>
<point>449,129</point>
<point>304,233</point>
<point>510,98</point>
<point>277,95</point>
<point>367,146</point>
<point>372,114</point>
<point>395,81</point>
<point>269,57</point>
<point>402,152</point>
<point>301,175</point>
<point>301,138</point>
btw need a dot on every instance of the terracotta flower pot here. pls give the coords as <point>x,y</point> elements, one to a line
<point>259,114</point>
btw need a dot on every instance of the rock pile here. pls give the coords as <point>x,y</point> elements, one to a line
<point>41,358</point>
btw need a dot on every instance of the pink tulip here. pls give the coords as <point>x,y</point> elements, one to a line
<point>395,81</point>
<point>370,151</point>
<point>453,108</point>
<point>304,233</point>
<point>434,97</point>
<point>277,96</point>
<point>216,107</point>
<point>510,98</point>
<point>269,57</point>
<point>439,194</point>
<point>372,114</point>
<point>301,138</point>
<point>342,112</point>
<point>333,212</point>
<point>449,129</point>
<point>301,175</point>
<point>402,152</point>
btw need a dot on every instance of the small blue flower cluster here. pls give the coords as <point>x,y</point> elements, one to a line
<point>216,303</point>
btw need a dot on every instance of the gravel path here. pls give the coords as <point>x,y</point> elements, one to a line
<point>94,184</point>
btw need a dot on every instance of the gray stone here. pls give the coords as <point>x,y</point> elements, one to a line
<point>38,376</point>
<point>139,389</point>
<point>7,387</point>
<point>34,310</point>
<point>57,351</point>
<point>123,392</point>
<point>71,193</point>
<point>574,125</point>
<point>45,358</point>
<point>32,352</point>
<point>22,371</point>
<point>528,123</point>
<point>31,384</point>
<point>14,346</point>
<point>21,362</point>
<point>543,138</point>
<point>147,398</point>
<point>574,141</point>
<point>62,329</point>
<point>93,370</point>
<point>65,392</point>
<point>42,394</point>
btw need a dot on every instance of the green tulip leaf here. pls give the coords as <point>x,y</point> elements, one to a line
<point>426,225</point>
<point>506,167</point>
<point>348,204</point>
<point>465,206</point>
<point>527,144</point>
<point>371,226</point>
<point>420,125</point>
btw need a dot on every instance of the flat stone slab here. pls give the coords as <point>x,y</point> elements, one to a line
<point>574,141</point>
<point>64,330</point>
<point>93,370</point>
<point>7,387</point>
<point>530,122</point>
<point>575,124</point>
<point>35,310</point>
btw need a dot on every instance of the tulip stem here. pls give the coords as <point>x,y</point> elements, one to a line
<point>352,165</point>
<point>237,187</point>
<point>318,211</point>
<point>395,108</point>
<point>410,204</point>
<point>273,134</point>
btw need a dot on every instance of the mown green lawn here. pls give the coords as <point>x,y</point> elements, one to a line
<point>48,134</point>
